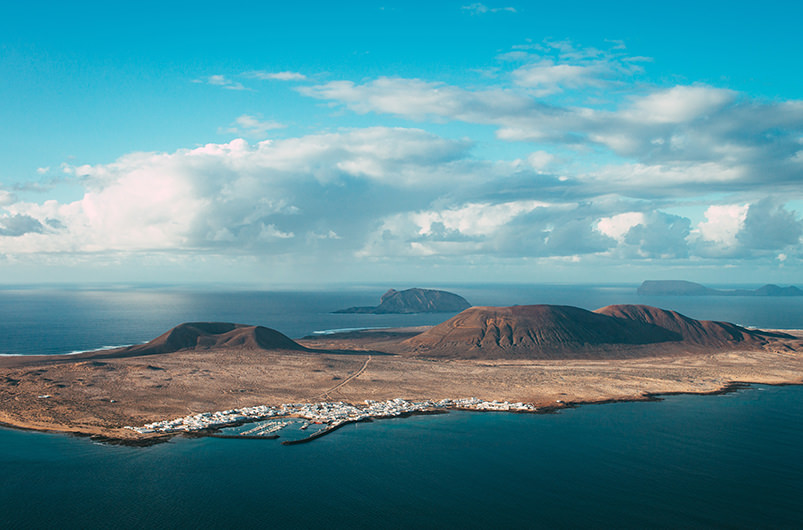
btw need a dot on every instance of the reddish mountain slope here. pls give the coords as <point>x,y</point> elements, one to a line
<point>534,332</point>
<point>564,332</point>
<point>702,332</point>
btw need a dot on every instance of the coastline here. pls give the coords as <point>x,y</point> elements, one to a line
<point>154,439</point>
<point>98,394</point>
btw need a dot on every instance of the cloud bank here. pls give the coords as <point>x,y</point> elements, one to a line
<point>614,171</point>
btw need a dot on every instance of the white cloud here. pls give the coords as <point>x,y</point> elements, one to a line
<point>643,179</point>
<point>705,138</point>
<point>480,9</point>
<point>749,230</point>
<point>547,77</point>
<point>270,232</point>
<point>539,160</point>
<point>617,226</point>
<point>653,234</point>
<point>221,81</point>
<point>508,229</point>
<point>275,76</point>
<point>474,219</point>
<point>769,226</point>
<point>660,235</point>
<point>679,104</point>
<point>18,225</point>
<point>236,195</point>
<point>6,197</point>
<point>722,223</point>
<point>464,229</point>
<point>252,126</point>
<point>331,234</point>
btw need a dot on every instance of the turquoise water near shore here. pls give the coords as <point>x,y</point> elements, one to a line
<point>729,461</point>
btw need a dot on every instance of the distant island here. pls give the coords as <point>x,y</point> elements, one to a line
<point>201,377</point>
<point>414,301</point>
<point>684,288</point>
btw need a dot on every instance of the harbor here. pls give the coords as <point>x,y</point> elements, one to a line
<point>324,416</point>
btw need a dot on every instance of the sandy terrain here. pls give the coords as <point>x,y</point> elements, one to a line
<point>101,394</point>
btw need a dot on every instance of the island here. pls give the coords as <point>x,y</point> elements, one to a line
<point>414,301</point>
<point>207,378</point>
<point>686,288</point>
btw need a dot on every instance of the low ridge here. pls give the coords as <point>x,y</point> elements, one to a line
<point>702,332</point>
<point>214,335</point>
<point>686,288</point>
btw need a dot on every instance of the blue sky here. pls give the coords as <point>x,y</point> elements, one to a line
<point>409,141</point>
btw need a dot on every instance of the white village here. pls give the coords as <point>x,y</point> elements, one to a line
<point>331,415</point>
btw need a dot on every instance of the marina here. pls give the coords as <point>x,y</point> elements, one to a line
<point>328,415</point>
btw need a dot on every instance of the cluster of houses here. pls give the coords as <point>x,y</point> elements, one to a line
<point>330,413</point>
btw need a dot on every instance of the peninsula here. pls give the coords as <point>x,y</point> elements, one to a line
<point>201,376</point>
<point>414,301</point>
<point>685,288</point>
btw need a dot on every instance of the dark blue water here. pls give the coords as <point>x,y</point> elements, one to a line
<point>62,321</point>
<point>730,461</point>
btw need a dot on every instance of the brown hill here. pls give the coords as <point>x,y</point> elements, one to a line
<point>702,332</point>
<point>564,332</point>
<point>535,332</point>
<point>215,335</point>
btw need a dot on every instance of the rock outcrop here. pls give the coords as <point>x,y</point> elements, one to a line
<point>414,301</point>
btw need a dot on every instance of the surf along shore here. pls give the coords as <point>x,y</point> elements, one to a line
<point>99,394</point>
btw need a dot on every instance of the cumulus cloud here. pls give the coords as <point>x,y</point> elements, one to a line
<point>420,99</point>
<point>18,225</point>
<point>517,228</point>
<point>375,193</point>
<point>239,196</point>
<point>769,226</point>
<point>275,76</point>
<point>540,160</point>
<point>652,234</point>
<point>678,104</point>
<point>253,126</point>
<point>660,235</point>
<point>480,9</point>
<point>748,230</point>
<point>617,226</point>
<point>6,197</point>
<point>221,81</point>
<point>697,136</point>
<point>723,223</point>
<point>548,77</point>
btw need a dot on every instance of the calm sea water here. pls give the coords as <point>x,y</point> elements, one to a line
<point>48,321</point>
<point>729,461</point>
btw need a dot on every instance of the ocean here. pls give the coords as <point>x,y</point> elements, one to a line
<point>726,461</point>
